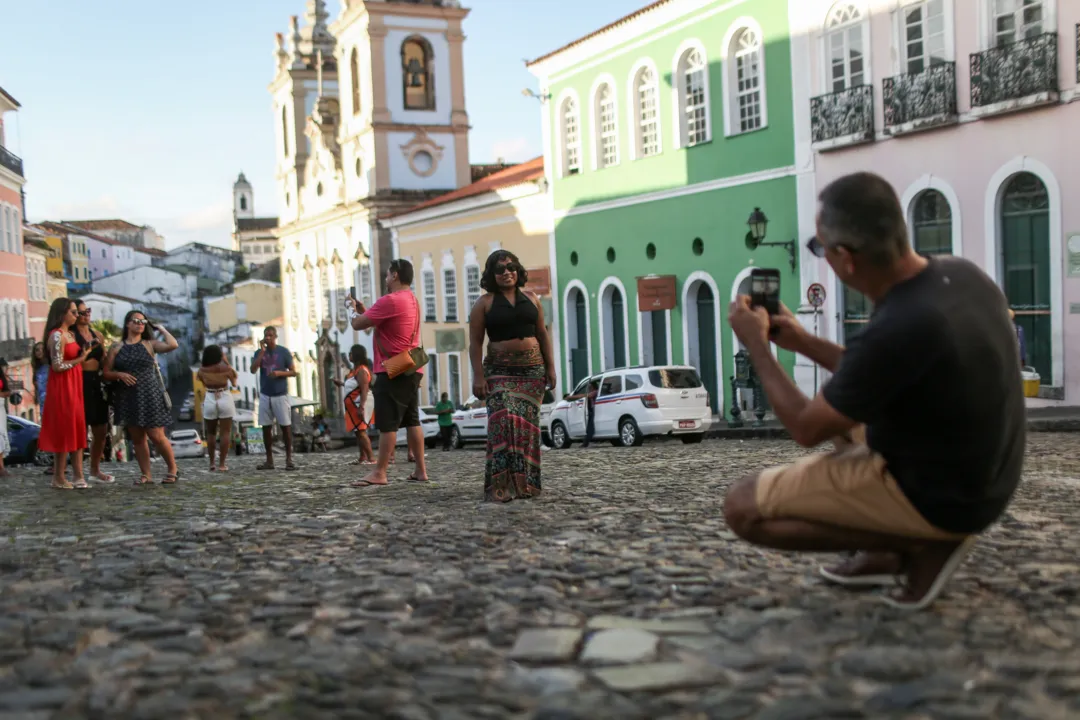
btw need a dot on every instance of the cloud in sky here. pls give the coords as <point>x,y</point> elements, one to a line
<point>515,149</point>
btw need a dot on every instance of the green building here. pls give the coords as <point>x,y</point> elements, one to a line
<point>662,133</point>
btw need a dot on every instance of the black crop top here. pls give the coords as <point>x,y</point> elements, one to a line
<point>511,322</point>
<point>98,353</point>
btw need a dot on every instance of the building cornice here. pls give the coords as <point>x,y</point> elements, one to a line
<point>463,207</point>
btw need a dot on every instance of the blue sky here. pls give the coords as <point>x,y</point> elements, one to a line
<point>148,110</point>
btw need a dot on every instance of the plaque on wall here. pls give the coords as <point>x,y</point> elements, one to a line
<point>656,292</point>
<point>539,281</point>
<point>450,341</point>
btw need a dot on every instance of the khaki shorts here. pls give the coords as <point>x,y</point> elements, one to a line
<point>849,488</point>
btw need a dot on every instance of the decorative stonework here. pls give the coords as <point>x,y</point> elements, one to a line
<point>422,154</point>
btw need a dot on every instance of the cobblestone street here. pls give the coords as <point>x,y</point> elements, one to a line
<point>618,594</point>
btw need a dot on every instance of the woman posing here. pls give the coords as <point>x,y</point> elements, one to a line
<point>63,419</point>
<point>5,393</point>
<point>358,402</point>
<point>218,409</point>
<point>139,402</point>
<point>518,367</point>
<point>95,405</point>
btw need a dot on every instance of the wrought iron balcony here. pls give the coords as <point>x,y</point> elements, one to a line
<point>916,101</point>
<point>1017,70</point>
<point>12,350</point>
<point>11,161</point>
<point>846,114</point>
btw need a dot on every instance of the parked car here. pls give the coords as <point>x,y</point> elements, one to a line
<point>635,403</point>
<point>187,444</point>
<point>23,439</point>
<point>470,424</point>
<point>187,410</point>
<point>428,422</point>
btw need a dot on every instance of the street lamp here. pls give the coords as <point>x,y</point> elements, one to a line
<point>542,97</point>
<point>755,238</point>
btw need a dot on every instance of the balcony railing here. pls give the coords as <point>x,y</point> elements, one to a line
<point>921,99</point>
<point>20,349</point>
<point>844,114</point>
<point>11,161</point>
<point>1017,70</point>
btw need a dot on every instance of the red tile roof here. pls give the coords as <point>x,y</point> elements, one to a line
<point>114,224</point>
<point>601,31</point>
<point>516,175</point>
<point>152,251</point>
<point>66,228</point>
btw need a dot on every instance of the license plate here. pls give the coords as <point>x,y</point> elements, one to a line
<point>686,423</point>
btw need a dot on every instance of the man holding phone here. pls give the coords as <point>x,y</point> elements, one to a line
<point>925,408</point>
<point>275,366</point>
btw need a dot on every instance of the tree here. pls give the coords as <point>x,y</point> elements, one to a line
<point>108,329</point>
<point>242,273</point>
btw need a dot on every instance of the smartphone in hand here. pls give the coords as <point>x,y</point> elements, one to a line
<point>765,289</point>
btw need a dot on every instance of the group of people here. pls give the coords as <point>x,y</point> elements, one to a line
<point>79,383</point>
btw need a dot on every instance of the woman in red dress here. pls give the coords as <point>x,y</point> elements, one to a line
<point>63,419</point>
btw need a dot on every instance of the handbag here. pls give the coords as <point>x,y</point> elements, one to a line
<point>161,379</point>
<point>405,362</point>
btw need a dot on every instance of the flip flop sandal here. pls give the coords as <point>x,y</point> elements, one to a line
<point>175,476</point>
<point>365,483</point>
<point>956,559</point>
<point>413,478</point>
<point>290,467</point>
<point>144,480</point>
<point>223,468</point>
<point>265,466</point>
<point>62,487</point>
<point>81,484</point>
<point>105,478</point>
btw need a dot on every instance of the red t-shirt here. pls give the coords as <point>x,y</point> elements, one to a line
<point>395,318</point>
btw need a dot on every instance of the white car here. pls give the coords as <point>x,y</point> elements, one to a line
<point>470,424</point>
<point>634,403</point>
<point>187,444</point>
<point>429,423</point>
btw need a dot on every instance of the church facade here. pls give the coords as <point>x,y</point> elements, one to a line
<point>370,120</point>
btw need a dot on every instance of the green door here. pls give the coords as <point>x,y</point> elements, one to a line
<point>706,319</point>
<point>618,329</point>
<point>659,337</point>
<point>1025,255</point>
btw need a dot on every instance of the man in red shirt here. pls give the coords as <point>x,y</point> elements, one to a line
<point>396,320</point>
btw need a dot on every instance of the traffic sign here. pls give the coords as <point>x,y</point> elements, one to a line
<point>815,295</point>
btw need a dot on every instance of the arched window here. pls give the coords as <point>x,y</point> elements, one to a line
<point>647,125</point>
<point>747,84</point>
<point>844,47</point>
<point>931,224</point>
<point>285,129</point>
<point>354,74</point>
<point>692,78</point>
<point>1025,254</point>
<point>416,57</point>
<point>607,128</point>
<point>571,137</point>
<point>243,202</point>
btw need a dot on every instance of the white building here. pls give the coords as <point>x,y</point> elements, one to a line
<point>124,232</point>
<point>253,237</point>
<point>370,119</point>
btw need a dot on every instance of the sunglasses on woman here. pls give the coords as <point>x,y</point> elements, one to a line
<point>507,267</point>
<point>136,321</point>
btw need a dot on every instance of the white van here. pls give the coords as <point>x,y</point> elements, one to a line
<point>634,403</point>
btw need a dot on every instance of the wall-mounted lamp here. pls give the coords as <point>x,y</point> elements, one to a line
<point>543,98</point>
<point>755,237</point>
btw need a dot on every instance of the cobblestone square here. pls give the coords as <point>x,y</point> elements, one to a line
<point>620,593</point>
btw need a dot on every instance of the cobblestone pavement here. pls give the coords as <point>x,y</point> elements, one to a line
<point>618,594</point>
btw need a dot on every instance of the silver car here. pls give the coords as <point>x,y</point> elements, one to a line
<point>187,444</point>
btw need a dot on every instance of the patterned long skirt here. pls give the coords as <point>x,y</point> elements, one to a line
<point>515,390</point>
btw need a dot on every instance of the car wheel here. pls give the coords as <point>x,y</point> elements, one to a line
<point>693,439</point>
<point>38,457</point>
<point>560,439</point>
<point>456,441</point>
<point>629,434</point>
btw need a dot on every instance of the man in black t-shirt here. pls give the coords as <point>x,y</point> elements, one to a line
<point>925,407</point>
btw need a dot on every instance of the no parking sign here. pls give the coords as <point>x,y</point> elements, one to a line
<point>815,295</point>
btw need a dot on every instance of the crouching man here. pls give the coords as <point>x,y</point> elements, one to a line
<point>925,409</point>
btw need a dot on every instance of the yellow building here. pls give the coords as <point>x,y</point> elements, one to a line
<point>54,265</point>
<point>448,240</point>
<point>253,301</point>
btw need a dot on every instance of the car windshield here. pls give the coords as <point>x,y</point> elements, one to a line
<point>675,378</point>
<point>184,435</point>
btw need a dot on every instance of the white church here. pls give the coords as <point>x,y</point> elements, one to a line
<point>370,120</point>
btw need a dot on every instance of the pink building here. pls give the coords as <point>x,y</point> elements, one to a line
<point>16,341</point>
<point>969,108</point>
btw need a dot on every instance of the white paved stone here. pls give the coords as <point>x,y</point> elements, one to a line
<point>619,647</point>
<point>546,645</point>
<point>660,627</point>
<point>658,676</point>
